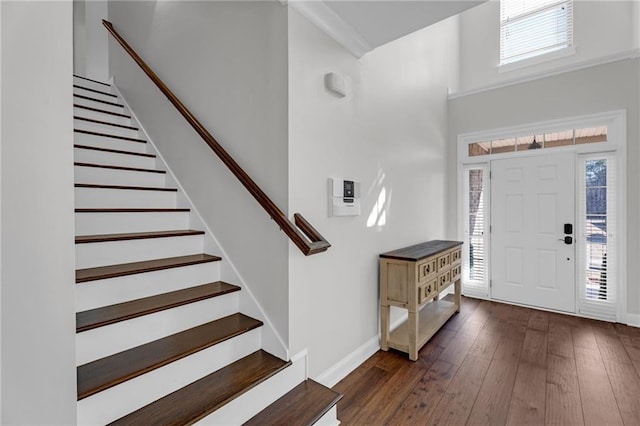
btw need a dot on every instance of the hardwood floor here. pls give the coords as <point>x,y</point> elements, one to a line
<point>498,364</point>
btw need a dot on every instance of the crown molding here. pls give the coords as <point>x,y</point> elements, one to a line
<point>628,54</point>
<point>331,23</point>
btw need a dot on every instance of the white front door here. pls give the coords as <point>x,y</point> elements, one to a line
<point>532,198</point>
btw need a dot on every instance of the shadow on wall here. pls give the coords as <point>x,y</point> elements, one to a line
<point>379,212</point>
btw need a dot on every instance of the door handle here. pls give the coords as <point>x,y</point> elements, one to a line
<point>567,240</point>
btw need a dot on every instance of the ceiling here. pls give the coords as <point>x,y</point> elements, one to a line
<point>362,25</point>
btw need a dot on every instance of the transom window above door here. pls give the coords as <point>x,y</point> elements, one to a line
<point>540,141</point>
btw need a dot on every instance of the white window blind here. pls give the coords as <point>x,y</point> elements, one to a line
<point>530,28</point>
<point>476,227</point>
<point>597,235</point>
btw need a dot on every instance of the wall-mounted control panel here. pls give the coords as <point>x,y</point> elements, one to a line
<point>344,197</point>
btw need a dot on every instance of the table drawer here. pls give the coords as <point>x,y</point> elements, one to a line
<point>444,279</point>
<point>456,256</point>
<point>426,269</point>
<point>455,272</point>
<point>427,290</point>
<point>444,261</point>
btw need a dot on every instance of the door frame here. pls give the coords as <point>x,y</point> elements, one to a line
<point>616,142</point>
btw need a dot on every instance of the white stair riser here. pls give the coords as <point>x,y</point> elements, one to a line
<point>111,339</point>
<point>92,156</point>
<point>105,129</point>
<point>109,143</point>
<point>96,95</point>
<point>92,85</point>
<point>99,293</point>
<point>253,401</point>
<point>102,176</point>
<point>91,255</point>
<point>118,223</point>
<point>127,198</point>
<point>95,115</point>
<point>99,105</point>
<point>116,402</point>
<point>330,418</point>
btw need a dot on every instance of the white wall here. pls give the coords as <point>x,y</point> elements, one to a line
<point>601,28</point>
<point>593,90</point>
<point>38,280</point>
<point>79,38</point>
<point>390,134</point>
<point>227,61</point>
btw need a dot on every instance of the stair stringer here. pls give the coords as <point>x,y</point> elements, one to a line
<point>272,342</point>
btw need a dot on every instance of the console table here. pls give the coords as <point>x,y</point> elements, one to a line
<point>413,278</point>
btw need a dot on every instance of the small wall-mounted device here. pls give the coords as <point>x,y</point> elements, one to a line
<point>344,197</point>
<point>336,84</point>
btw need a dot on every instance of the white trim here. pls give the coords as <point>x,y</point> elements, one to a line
<point>545,57</point>
<point>272,342</point>
<point>628,54</point>
<point>331,23</point>
<point>617,130</point>
<point>346,365</point>
<point>633,320</point>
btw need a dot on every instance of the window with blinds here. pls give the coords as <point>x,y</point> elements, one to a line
<point>530,28</point>
<point>476,227</point>
<point>597,233</point>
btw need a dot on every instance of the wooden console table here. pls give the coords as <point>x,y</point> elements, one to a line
<point>413,278</point>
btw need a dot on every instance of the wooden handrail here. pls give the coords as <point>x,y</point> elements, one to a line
<point>303,235</point>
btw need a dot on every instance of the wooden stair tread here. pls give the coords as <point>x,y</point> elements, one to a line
<point>106,123</point>
<point>83,239</point>
<point>101,111</point>
<point>134,188</point>
<point>89,79</point>
<point>77,86</point>
<point>89,98</point>
<point>303,405</point>
<point>202,397</point>
<point>130,210</point>
<point>110,371</point>
<point>112,271</point>
<point>131,169</point>
<point>94,318</point>
<point>106,135</point>
<point>115,151</point>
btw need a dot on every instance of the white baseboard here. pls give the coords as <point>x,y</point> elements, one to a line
<point>346,365</point>
<point>633,320</point>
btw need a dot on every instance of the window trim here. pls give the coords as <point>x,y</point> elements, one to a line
<point>542,57</point>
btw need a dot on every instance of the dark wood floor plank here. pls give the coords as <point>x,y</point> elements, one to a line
<point>491,407</point>
<point>94,318</point>
<point>456,403</point>
<point>382,406</point>
<point>304,405</point>
<point>598,401</point>
<point>560,340</point>
<point>112,271</point>
<point>421,403</point>
<point>107,372</point>
<point>197,400</point>
<point>539,320</point>
<point>626,387</point>
<point>529,391</point>
<point>610,345</point>
<point>583,337</point>
<point>563,403</point>
<point>457,349</point>
<point>485,344</point>
<point>360,394</point>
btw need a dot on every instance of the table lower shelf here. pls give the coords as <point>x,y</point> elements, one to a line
<point>431,318</point>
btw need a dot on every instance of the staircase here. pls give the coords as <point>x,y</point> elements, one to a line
<point>160,339</point>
